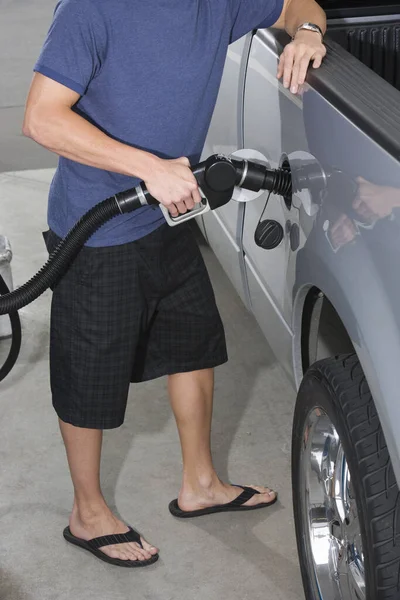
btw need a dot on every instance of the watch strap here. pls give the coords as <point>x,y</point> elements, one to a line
<point>310,27</point>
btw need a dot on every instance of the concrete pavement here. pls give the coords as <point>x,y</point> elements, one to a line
<point>235,556</point>
<point>222,556</point>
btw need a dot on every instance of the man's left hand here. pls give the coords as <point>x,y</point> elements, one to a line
<point>306,47</point>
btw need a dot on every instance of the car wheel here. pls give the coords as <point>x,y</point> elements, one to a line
<point>345,496</point>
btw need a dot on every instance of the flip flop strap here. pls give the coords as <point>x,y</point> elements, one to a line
<point>244,496</point>
<point>118,538</point>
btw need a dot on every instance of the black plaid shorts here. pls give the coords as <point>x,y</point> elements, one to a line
<point>126,313</point>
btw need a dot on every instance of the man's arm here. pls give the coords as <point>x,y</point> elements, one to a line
<point>297,12</point>
<point>307,45</point>
<point>50,121</point>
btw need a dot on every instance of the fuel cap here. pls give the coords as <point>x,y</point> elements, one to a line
<point>268,234</point>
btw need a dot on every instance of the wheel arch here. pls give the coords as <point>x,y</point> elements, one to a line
<point>315,314</point>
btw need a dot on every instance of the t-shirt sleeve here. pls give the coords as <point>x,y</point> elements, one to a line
<point>253,14</point>
<point>73,50</point>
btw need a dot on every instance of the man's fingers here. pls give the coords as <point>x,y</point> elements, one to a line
<point>299,71</point>
<point>181,208</point>
<point>288,66</point>
<point>189,203</point>
<point>339,223</point>
<point>173,210</point>
<point>302,62</point>
<point>280,66</point>
<point>196,196</point>
<point>364,210</point>
<point>177,208</point>
<point>344,235</point>
<point>295,77</point>
<point>303,67</point>
<point>317,61</point>
<point>295,61</point>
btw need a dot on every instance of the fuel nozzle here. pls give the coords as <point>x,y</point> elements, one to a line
<point>219,175</point>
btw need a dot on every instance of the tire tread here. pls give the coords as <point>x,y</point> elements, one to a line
<point>347,380</point>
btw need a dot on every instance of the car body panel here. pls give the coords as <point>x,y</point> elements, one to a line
<point>265,95</point>
<point>351,259</point>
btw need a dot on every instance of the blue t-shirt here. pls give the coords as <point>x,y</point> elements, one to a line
<point>148,74</point>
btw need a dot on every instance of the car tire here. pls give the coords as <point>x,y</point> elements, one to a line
<point>345,496</point>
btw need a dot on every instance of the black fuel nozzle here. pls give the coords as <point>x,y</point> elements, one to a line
<point>217,177</point>
<point>222,174</point>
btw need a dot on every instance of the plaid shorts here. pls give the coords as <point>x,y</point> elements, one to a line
<point>126,313</point>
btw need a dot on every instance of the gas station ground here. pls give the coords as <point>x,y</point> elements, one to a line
<point>235,556</point>
<point>232,556</point>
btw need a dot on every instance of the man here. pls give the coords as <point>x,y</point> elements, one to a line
<point>124,91</point>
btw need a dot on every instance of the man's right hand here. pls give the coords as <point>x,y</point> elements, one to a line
<point>173,184</point>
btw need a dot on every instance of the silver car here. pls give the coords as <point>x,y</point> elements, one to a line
<point>324,281</point>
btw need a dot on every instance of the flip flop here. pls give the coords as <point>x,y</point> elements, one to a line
<point>109,540</point>
<point>235,505</point>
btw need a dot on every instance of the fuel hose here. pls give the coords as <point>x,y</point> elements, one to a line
<point>16,336</point>
<point>217,177</point>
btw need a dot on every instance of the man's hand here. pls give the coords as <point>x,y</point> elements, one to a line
<point>375,202</point>
<point>173,184</point>
<point>306,47</point>
<point>342,232</point>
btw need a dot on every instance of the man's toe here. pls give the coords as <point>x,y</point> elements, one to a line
<point>148,547</point>
<point>265,495</point>
<point>116,552</point>
<point>138,551</point>
<point>130,554</point>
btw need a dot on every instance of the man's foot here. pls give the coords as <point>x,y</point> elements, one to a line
<point>87,525</point>
<point>217,493</point>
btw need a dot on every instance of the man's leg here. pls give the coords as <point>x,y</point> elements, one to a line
<point>93,335</point>
<point>91,516</point>
<point>191,397</point>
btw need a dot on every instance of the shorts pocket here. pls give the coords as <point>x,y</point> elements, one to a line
<point>80,268</point>
<point>51,240</point>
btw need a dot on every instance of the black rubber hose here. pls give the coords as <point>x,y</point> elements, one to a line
<point>16,336</point>
<point>61,258</point>
<point>278,181</point>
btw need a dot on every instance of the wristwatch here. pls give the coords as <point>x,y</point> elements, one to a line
<point>310,27</point>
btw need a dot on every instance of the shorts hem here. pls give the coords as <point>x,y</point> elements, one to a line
<point>174,370</point>
<point>99,424</point>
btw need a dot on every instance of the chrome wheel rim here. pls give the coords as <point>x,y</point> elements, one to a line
<point>330,519</point>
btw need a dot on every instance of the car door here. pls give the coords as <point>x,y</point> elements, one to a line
<point>273,125</point>
<point>223,227</point>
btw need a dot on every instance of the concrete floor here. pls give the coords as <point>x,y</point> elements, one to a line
<point>235,556</point>
<point>222,556</point>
